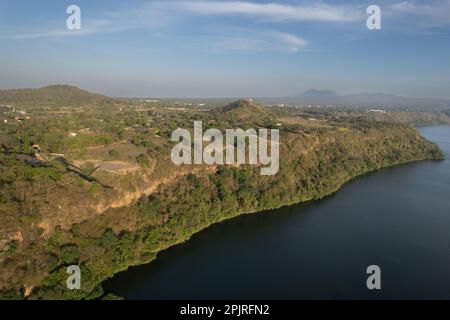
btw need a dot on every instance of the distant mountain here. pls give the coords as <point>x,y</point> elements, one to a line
<point>318,93</point>
<point>55,95</point>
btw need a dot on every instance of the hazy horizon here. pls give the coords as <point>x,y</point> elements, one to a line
<point>298,95</point>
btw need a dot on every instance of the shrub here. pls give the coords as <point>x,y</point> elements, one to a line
<point>143,161</point>
<point>108,239</point>
<point>114,153</point>
<point>69,254</point>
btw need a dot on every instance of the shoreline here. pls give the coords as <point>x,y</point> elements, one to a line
<point>176,212</point>
<point>324,196</point>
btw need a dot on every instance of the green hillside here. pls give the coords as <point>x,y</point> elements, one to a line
<point>55,95</point>
<point>105,195</point>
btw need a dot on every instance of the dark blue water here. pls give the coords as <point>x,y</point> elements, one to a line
<point>397,218</point>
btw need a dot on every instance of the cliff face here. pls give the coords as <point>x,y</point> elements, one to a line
<point>67,220</point>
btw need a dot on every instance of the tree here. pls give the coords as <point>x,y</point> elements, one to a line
<point>143,161</point>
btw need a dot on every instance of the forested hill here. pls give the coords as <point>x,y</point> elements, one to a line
<point>103,193</point>
<point>244,112</point>
<point>55,95</point>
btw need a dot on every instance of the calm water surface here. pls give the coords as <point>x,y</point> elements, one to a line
<point>397,218</point>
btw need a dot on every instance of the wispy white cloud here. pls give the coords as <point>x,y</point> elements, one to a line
<point>432,14</point>
<point>271,41</point>
<point>45,34</point>
<point>153,15</point>
<point>290,42</point>
<point>93,27</point>
<point>157,14</point>
<point>282,12</point>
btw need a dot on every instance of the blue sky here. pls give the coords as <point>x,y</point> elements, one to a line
<point>196,48</point>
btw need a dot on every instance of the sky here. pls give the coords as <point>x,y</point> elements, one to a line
<point>221,48</point>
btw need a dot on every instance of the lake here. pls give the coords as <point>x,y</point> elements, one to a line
<point>397,218</point>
